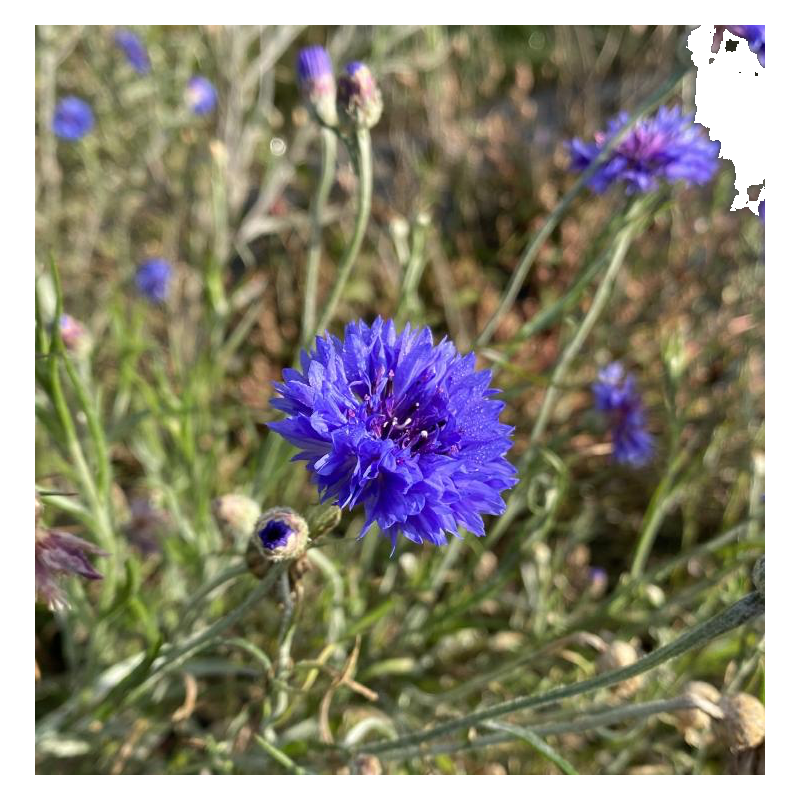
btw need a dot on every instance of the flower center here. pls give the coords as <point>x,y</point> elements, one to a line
<point>274,534</point>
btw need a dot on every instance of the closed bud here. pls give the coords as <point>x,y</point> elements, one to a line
<point>315,76</point>
<point>236,514</point>
<point>74,335</point>
<point>694,723</point>
<point>367,765</point>
<point>323,519</point>
<point>280,534</point>
<point>358,96</point>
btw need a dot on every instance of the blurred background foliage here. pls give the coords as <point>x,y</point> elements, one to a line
<point>469,160</point>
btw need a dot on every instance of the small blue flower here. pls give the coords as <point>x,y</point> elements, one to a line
<point>153,278</point>
<point>668,147</point>
<point>134,50</point>
<point>405,427</point>
<point>73,118</point>
<point>756,38</point>
<point>617,397</point>
<point>762,211</point>
<point>201,95</point>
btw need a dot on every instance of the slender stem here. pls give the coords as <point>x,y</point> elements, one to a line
<point>541,236</point>
<point>326,176</point>
<point>568,356</point>
<point>588,722</point>
<point>363,165</point>
<point>536,742</point>
<point>740,612</point>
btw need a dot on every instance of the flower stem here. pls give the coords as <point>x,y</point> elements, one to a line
<point>326,176</point>
<point>568,356</point>
<point>740,612</point>
<point>541,236</point>
<point>362,161</point>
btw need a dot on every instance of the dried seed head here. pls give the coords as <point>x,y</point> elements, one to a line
<point>617,655</point>
<point>694,723</point>
<point>236,514</point>
<point>743,724</point>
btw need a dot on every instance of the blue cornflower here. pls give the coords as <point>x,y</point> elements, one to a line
<point>616,395</point>
<point>668,146</point>
<point>762,210</point>
<point>756,38</point>
<point>401,426</point>
<point>73,118</point>
<point>153,278</point>
<point>201,95</point>
<point>134,50</point>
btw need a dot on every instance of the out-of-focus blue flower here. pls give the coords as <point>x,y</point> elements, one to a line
<point>358,95</point>
<point>73,118</point>
<point>755,36</point>
<point>134,50</point>
<point>315,76</point>
<point>153,279</point>
<point>668,146</point>
<point>201,95</point>
<point>762,211</point>
<point>401,426</point>
<point>616,395</point>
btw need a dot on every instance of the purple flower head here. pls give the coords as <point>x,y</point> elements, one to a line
<point>358,95</point>
<point>616,396</point>
<point>402,426</point>
<point>756,38</point>
<point>153,279</point>
<point>134,50</point>
<point>668,146</point>
<point>59,553</point>
<point>280,534</point>
<point>762,211</point>
<point>73,118</point>
<point>315,76</point>
<point>201,95</point>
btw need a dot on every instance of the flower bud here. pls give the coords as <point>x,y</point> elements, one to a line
<point>236,514</point>
<point>694,723</point>
<point>280,534</point>
<point>315,75</point>
<point>367,765</point>
<point>358,96</point>
<point>74,335</point>
<point>322,519</point>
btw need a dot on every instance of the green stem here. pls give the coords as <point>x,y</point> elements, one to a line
<point>536,742</point>
<point>326,175</point>
<point>541,236</point>
<point>740,612</point>
<point>363,164</point>
<point>568,356</point>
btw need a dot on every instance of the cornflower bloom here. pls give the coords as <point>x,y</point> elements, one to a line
<point>401,426</point>
<point>666,147</point>
<point>134,50</point>
<point>315,76</point>
<point>201,95</point>
<point>616,396</point>
<point>153,279</point>
<point>73,118</point>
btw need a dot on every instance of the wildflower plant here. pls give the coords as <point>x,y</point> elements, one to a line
<point>73,118</point>
<point>221,539</point>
